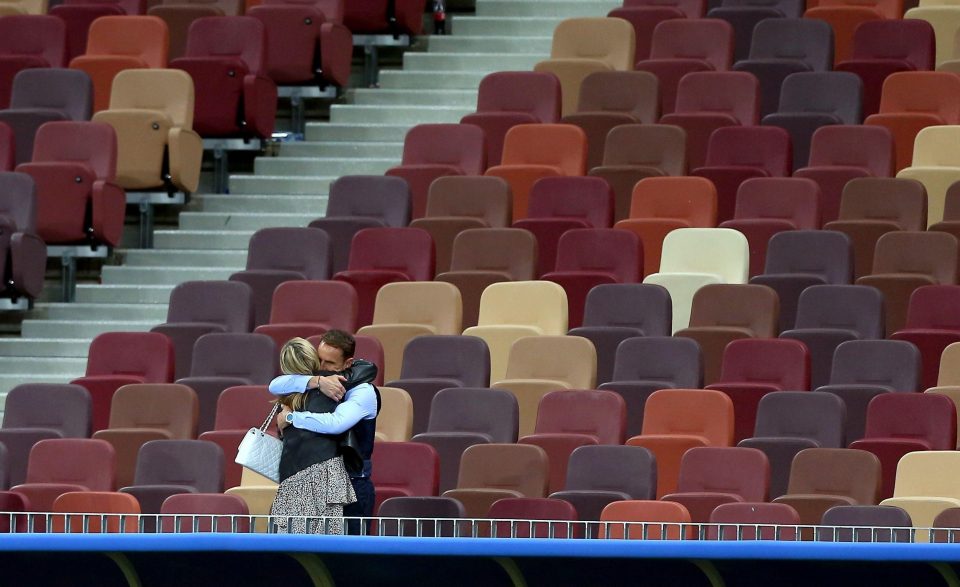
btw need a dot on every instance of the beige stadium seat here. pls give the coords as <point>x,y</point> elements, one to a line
<point>538,365</point>
<point>945,21</point>
<point>948,378</point>
<point>152,112</point>
<point>258,492</point>
<point>405,310</point>
<point>395,421</point>
<point>8,7</point>
<point>489,472</point>
<point>512,310</point>
<point>694,257</point>
<point>928,482</point>
<point>936,164</point>
<point>582,46</point>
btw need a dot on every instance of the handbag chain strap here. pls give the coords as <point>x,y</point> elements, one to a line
<point>273,412</point>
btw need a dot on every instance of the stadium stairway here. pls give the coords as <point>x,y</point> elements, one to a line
<point>364,136</point>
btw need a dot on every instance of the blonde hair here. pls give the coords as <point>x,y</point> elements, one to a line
<point>297,357</point>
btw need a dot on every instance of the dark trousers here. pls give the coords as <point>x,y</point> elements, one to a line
<point>363,507</point>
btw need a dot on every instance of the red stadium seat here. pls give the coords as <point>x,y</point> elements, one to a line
<point>28,41</point>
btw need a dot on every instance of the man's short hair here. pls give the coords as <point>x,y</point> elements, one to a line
<point>342,340</point>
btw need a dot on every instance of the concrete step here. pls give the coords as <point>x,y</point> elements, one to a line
<point>535,45</point>
<point>123,294</point>
<point>407,114</point>
<point>367,97</point>
<point>44,347</point>
<point>77,311</point>
<point>205,239</point>
<point>322,166</point>
<point>161,259</point>
<point>230,221</point>
<point>431,80</point>
<point>263,203</point>
<point>277,184</point>
<point>486,62</point>
<point>475,26</point>
<point>546,8</point>
<point>331,132</point>
<point>52,366</point>
<point>164,276</point>
<point>393,150</point>
<point>58,329</point>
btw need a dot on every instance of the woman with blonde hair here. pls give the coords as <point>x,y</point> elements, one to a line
<point>313,478</point>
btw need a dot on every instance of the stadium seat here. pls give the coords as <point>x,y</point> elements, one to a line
<point>616,312</point>
<point>384,17</point>
<point>484,256</point>
<point>508,98</point>
<point>432,363</point>
<point>28,41</point>
<point>204,512</point>
<point>435,150</point>
<point>790,421</point>
<point>883,47</point>
<point>821,478</point>
<point>571,418</point>
<point>535,151</point>
<point>932,325</point>
<point>646,364</point>
<point>259,494</point>
<point>60,465</point>
<point>951,212</point>
<point>116,43</point>
<point>753,521</point>
<point>89,211</point>
<point>934,166</point>
<point>23,255</point>
<point>913,100</point>
<point>227,59</point>
<point>582,46</point>
<point>513,310</point>
<point>609,99</point>
<point>945,22</point>
<point>152,112</point>
<point>379,256</point>
<point>201,307</point>
<point>404,469</point>
<point>660,205</point>
<point>277,255</point>
<point>489,472</point>
<point>111,504</point>
<point>463,416</point>
<point>78,18</point>
<point>736,154</point>
<point>600,474</point>
<point>407,310</point>
<point>516,511</point>
<point>654,520</point>
<point>633,152</point>
<point>713,475</point>
<point>537,365</point>
<point>395,421</point>
<point>239,409</point>
<point>839,153</point>
<point>722,313</point>
<point>42,95</point>
<point>362,201</point>
<point>443,510</point>
<point>809,100</point>
<point>681,46</point>
<point>708,100</point>
<point>899,423</point>
<point>222,360</point>
<point>872,206</point>
<point>797,259</point>
<point>181,14</point>
<point>882,519</point>
<point>120,358</point>
<point>294,311</point>
<point>828,315</point>
<point>143,412</point>
<point>37,411</point>
<point>753,368</point>
<point>926,485</point>
<point>645,18</point>
<point>744,16</point>
<point>782,46</point>
<point>694,257</point>
<point>675,420</point>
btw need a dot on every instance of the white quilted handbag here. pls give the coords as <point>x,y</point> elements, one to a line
<point>260,452</point>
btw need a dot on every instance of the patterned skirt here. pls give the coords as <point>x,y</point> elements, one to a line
<point>320,492</point>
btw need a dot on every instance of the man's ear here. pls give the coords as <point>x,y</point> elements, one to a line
<point>348,363</point>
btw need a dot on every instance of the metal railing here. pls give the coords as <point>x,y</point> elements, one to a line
<point>122,523</point>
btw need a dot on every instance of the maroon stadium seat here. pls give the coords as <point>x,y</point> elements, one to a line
<point>714,475</point>
<point>295,311</point>
<point>28,41</point>
<point>23,256</point>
